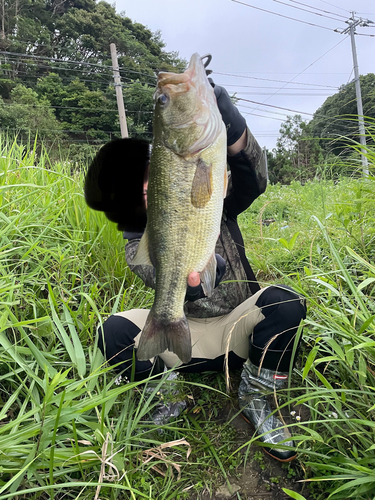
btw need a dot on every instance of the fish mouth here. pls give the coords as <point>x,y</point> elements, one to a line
<point>206,114</point>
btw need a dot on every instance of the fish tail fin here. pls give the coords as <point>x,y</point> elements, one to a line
<point>158,336</point>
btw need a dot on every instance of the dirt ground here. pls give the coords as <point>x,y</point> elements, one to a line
<point>263,477</point>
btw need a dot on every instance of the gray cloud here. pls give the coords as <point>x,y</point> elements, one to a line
<point>248,43</point>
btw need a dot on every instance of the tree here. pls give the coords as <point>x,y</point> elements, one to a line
<point>337,119</point>
<point>138,99</point>
<point>28,115</point>
<point>82,30</point>
<point>66,60</point>
<point>297,153</point>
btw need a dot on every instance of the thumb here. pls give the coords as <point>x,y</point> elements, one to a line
<point>194,279</point>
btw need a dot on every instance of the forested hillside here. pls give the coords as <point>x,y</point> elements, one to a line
<point>322,146</point>
<point>56,74</point>
<point>56,83</point>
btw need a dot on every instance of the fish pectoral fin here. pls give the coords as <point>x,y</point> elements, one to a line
<point>208,276</point>
<point>201,189</point>
<point>142,257</point>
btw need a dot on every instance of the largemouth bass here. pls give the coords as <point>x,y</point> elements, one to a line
<point>187,185</point>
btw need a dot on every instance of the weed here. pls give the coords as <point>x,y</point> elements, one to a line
<point>65,421</point>
<point>258,457</point>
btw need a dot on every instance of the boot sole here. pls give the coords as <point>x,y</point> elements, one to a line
<point>290,459</point>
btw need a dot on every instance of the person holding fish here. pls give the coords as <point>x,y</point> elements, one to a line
<point>178,210</point>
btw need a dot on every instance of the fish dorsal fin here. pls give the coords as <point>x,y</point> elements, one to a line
<point>201,189</point>
<point>208,276</point>
<point>142,257</point>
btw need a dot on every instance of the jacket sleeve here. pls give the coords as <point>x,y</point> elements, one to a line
<point>248,177</point>
<point>146,273</point>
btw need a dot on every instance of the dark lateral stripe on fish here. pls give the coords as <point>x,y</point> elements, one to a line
<point>158,336</point>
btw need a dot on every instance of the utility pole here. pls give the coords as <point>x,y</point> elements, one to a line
<point>353,23</point>
<point>118,87</point>
<point>266,161</point>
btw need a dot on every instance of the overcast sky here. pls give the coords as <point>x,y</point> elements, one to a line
<point>258,54</point>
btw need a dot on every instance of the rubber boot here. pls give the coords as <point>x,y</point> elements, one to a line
<point>170,403</point>
<point>254,400</point>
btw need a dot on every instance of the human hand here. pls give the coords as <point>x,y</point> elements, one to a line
<point>194,279</point>
<point>194,289</point>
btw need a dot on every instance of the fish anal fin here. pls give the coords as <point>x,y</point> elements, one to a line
<point>208,276</point>
<point>158,336</point>
<point>142,257</point>
<point>201,189</point>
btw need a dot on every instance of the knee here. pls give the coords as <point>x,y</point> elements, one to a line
<point>284,302</point>
<point>116,336</point>
<point>283,309</point>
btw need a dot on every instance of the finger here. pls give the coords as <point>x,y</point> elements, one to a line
<point>194,279</point>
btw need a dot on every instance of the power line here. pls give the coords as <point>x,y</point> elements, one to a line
<point>309,11</point>
<point>309,66</point>
<point>109,84</point>
<point>334,118</point>
<point>61,68</point>
<point>69,107</point>
<point>331,4</point>
<point>350,76</point>
<point>87,132</point>
<point>286,93</point>
<point>274,106</point>
<point>51,59</point>
<point>239,104</point>
<point>25,75</point>
<point>279,81</point>
<point>281,15</point>
<point>62,130</point>
<point>317,8</point>
<point>263,116</point>
<point>289,73</point>
<point>266,88</point>
<point>103,84</point>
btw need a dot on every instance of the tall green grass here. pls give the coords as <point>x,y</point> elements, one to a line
<point>325,237</point>
<point>67,428</point>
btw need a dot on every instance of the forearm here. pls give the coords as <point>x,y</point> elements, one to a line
<point>248,175</point>
<point>238,145</point>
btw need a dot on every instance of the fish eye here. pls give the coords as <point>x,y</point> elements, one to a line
<point>163,99</point>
